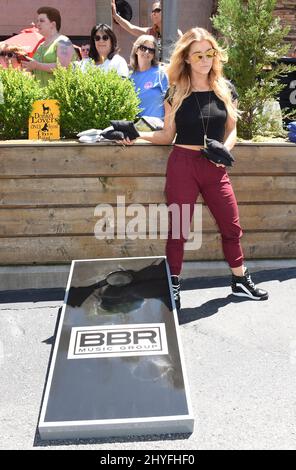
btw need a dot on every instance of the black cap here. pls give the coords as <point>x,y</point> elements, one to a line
<point>124,9</point>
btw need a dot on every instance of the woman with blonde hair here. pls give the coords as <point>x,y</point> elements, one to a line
<point>148,76</point>
<point>201,112</point>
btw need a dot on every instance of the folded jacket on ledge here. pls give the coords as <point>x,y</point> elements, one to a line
<point>118,130</point>
<point>217,153</point>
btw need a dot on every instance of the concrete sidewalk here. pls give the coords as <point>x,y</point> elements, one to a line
<point>240,357</point>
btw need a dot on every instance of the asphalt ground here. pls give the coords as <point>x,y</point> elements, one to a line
<point>240,358</point>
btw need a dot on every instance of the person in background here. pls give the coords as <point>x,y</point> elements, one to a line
<point>154,30</point>
<point>201,104</point>
<point>104,51</point>
<point>84,50</point>
<point>78,52</point>
<point>12,56</point>
<point>56,48</point>
<point>148,76</point>
<point>82,55</point>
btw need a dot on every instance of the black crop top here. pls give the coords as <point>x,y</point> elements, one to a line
<point>188,119</point>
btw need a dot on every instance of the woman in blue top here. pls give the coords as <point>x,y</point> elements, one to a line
<point>149,78</point>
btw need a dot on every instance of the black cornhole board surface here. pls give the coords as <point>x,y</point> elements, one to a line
<point>117,367</point>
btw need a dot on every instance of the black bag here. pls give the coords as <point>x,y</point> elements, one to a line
<point>127,127</point>
<point>111,134</point>
<point>217,153</point>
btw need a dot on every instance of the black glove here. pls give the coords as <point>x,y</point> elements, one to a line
<point>127,127</point>
<point>217,153</point>
<point>112,135</point>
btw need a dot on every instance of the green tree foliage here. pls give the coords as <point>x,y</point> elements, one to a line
<point>91,99</point>
<point>17,95</point>
<point>254,40</point>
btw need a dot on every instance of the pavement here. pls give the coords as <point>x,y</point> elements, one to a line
<point>240,357</point>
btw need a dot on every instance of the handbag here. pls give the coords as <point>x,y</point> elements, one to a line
<point>217,152</point>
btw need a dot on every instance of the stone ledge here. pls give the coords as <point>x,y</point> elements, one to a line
<point>56,276</point>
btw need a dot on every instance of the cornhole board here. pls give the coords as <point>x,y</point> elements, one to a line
<point>117,367</point>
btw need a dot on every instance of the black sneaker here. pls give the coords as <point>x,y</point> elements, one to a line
<point>176,291</point>
<point>243,286</point>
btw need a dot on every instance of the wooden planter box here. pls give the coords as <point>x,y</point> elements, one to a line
<point>49,191</point>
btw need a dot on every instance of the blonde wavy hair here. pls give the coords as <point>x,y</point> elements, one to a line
<point>179,72</point>
<point>140,41</point>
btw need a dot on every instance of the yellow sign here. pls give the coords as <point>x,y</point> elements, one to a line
<point>44,120</point>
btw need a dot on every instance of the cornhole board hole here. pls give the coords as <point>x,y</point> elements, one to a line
<point>117,367</point>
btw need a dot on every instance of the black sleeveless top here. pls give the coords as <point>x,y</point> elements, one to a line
<point>189,125</point>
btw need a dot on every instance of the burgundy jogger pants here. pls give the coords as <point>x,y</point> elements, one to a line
<point>189,174</point>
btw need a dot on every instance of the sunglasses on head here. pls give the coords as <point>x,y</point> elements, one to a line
<point>156,10</point>
<point>147,49</point>
<point>197,56</point>
<point>105,37</point>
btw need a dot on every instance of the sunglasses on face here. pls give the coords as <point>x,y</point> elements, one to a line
<point>156,10</point>
<point>147,49</point>
<point>197,56</point>
<point>10,55</point>
<point>105,37</point>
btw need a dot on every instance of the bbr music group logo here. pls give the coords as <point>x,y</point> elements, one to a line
<point>118,341</point>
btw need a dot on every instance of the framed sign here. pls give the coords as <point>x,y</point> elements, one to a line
<point>44,120</point>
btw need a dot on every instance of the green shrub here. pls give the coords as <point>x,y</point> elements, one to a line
<point>20,91</point>
<point>254,39</point>
<point>90,99</point>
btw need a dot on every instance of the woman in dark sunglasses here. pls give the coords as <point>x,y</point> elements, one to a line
<point>104,51</point>
<point>201,111</point>
<point>148,76</point>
